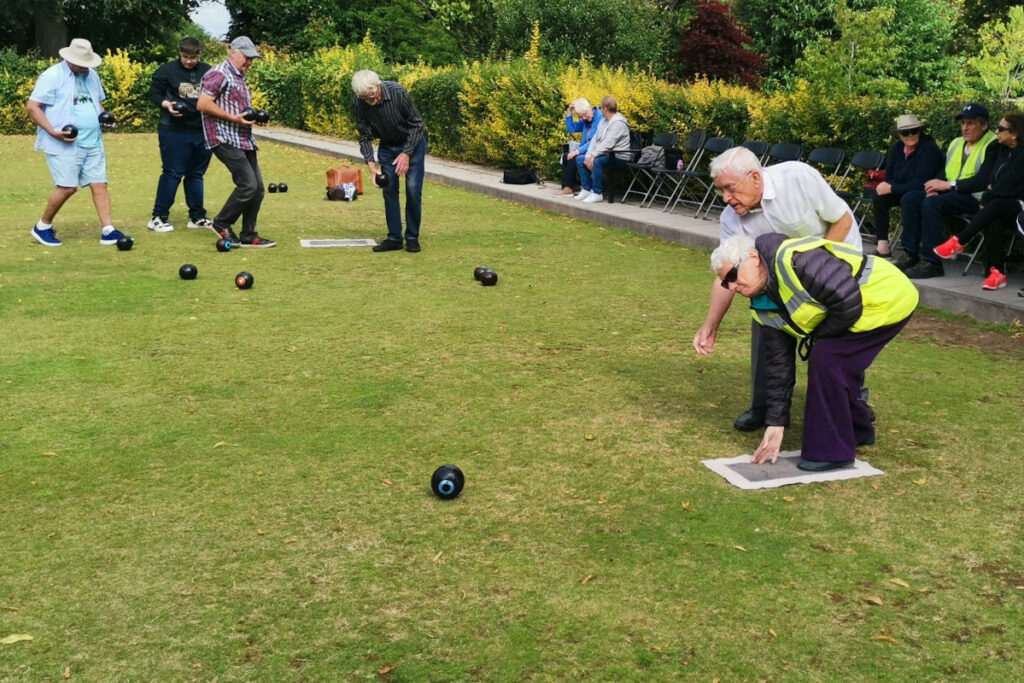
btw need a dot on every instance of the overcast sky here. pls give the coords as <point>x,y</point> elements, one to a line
<point>212,16</point>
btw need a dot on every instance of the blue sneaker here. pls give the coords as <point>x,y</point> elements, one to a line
<point>47,238</point>
<point>111,237</point>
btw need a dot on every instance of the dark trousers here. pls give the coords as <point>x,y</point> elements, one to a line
<point>836,418</point>
<point>247,197</point>
<point>882,204</point>
<point>995,219</point>
<point>924,220</point>
<point>413,191</point>
<point>183,156</point>
<point>570,172</point>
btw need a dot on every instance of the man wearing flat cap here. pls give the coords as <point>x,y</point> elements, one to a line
<point>223,98</point>
<point>65,106</point>
<point>925,211</point>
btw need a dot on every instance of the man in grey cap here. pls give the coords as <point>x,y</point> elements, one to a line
<point>223,97</point>
<point>925,211</point>
<point>65,106</point>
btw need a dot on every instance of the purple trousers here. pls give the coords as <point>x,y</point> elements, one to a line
<point>836,419</point>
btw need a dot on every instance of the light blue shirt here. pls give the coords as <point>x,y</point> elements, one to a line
<point>55,90</point>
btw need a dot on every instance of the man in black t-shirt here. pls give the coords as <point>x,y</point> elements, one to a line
<point>183,152</point>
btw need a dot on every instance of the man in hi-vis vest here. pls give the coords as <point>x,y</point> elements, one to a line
<point>924,215</point>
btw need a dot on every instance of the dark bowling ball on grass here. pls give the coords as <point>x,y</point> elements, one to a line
<point>72,132</point>
<point>262,116</point>
<point>243,280</point>
<point>272,188</point>
<point>478,271</point>
<point>125,243</point>
<point>249,114</point>
<point>447,481</point>
<point>224,245</point>
<point>107,119</point>
<point>282,187</point>
<point>188,272</point>
<point>488,278</point>
<point>382,180</point>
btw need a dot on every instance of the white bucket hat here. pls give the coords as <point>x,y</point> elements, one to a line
<point>80,53</point>
<point>908,122</point>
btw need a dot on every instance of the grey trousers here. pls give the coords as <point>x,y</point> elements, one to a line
<point>247,197</point>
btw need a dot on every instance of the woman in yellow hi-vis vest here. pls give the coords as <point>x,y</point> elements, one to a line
<point>841,307</point>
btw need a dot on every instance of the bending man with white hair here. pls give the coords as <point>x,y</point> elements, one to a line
<point>790,198</point>
<point>383,109</point>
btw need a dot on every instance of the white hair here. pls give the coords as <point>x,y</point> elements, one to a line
<point>733,250</point>
<point>364,82</point>
<point>738,159</point>
<point>581,106</point>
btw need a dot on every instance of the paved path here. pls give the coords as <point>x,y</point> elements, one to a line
<point>953,293</point>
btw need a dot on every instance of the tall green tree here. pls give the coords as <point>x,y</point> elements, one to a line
<point>998,68</point>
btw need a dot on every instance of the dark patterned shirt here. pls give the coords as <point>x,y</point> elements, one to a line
<point>396,121</point>
<point>227,86</point>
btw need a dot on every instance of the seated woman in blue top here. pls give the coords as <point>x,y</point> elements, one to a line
<point>586,126</point>
<point>914,159</point>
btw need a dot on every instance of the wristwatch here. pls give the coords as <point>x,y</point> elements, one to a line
<point>952,184</point>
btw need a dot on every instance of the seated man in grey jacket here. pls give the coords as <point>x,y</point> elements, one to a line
<point>612,136</point>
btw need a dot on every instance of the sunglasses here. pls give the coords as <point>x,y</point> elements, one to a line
<point>731,276</point>
<point>909,133</point>
<point>1003,129</point>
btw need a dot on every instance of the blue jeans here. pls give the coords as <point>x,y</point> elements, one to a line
<point>247,197</point>
<point>924,219</point>
<point>183,155</point>
<point>593,181</point>
<point>413,191</point>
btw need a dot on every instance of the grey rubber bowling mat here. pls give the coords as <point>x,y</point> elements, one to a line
<point>743,474</point>
<point>322,244</point>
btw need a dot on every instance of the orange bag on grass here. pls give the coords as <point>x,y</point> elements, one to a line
<point>343,174</point>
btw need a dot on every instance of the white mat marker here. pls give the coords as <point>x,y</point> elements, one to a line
<point>323,244</point>
<point>743,474</point>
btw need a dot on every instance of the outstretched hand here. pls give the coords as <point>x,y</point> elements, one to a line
<point>770,445</point>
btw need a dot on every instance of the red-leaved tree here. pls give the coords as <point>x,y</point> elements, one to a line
<point>713,44</point>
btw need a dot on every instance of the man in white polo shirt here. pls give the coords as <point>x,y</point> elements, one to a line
<point>790,198</point>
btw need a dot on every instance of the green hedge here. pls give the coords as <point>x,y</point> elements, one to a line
<point>510,113</point>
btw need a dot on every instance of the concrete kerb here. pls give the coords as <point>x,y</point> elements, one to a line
<point>952,293</point>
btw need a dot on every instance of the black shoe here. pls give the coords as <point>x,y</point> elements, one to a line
<point>868,440</point>
<point>925,269</point>
<point>821,466</point>
<point>749,421</point>
<point>412,246</point>
<point>388,245</point>
<point>257,241</point>
<point>907,261</point>
<point>228,234</point>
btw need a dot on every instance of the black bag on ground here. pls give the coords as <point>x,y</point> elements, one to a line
<point>519,176</point>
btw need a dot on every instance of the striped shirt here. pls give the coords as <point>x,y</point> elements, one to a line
<point>227,86</point>
<point>396,121</point>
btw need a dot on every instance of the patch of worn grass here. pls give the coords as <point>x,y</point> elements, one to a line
<point>200,483</point>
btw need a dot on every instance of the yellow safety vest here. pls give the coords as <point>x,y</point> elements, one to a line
<point>955,168</point>
<point>887,295</point>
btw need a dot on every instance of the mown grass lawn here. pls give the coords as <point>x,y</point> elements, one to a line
<point>201,483</point>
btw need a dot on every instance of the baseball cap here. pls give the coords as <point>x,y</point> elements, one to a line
<point>973,111</point>
<point>244,45</point>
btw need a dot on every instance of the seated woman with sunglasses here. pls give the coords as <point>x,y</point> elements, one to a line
<point>914,159</point>
<point>842,308</point>
<point>1001,179</point>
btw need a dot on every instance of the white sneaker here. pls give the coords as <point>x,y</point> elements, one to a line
<point>593,198</point>
<point>157,224</point>
<point>583,194</point>
<point>201,223</point>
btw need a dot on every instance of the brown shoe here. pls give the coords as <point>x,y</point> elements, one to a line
<point>565,192</point>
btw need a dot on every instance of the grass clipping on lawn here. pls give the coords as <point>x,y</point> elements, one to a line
<point>202,483</point>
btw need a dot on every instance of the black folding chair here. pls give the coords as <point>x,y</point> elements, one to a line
<point>644,176</point>
<point>688,194</point>
<point>785,151</point>
<point>828,160</point>
<point>863,161</point>
<point>760,149</point>
<point>694,145</point>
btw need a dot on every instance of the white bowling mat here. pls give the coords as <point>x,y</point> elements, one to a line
<point>741,473</point>
<point>321,244</point>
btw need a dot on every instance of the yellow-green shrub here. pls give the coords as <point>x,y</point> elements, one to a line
<point>327,86</point>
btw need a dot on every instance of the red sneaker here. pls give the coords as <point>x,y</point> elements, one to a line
<point>949,248</point>
<point>995,279</point>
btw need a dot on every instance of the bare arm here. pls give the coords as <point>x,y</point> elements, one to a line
<point>207,105</point>
<point>720,300</point>
<point>838,231</point>
<point>38,116</point>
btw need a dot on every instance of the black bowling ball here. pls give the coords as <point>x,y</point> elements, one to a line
<point>272,188</point>
<point>179,107</point>
<point>262,116</point>
<point>447,482</point>
<point>478,271</point>
<point>243,280</point>
<point>382,180</point>
<point>107,119</point>
<point>224,244</point>
<point>188,272</point>
<point>282,187</point>
<point>249,114</point>
<point>125,243</point>
<point>488,278</point>
<point>71,130</point>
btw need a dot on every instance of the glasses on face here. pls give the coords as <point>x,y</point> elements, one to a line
<point>909,133</point>
<point>731,276</point>
<point>731,189</point>
<point>371,97</point>
<point>1002,129</point>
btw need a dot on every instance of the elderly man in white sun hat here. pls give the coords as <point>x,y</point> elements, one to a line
<point>65,106</point>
